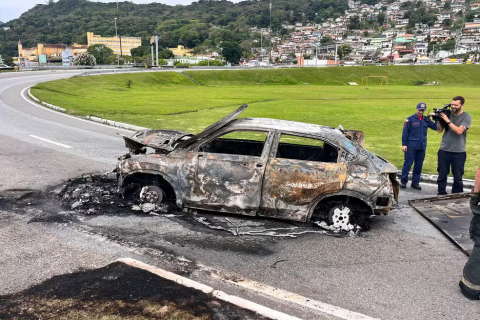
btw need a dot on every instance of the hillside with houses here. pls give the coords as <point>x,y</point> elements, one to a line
<point>303,32</point>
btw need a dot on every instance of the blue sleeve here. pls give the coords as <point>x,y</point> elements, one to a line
<point>432,125</point>
<point>406,129</point>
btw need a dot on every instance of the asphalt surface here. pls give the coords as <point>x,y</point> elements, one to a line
<point>403,268</point>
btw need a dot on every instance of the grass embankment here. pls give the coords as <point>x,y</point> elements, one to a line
<point>171,101</point>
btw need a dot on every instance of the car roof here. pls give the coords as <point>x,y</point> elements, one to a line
<point>301,128</point>
<point>285,125</point>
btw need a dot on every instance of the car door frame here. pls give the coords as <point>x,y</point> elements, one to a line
<point>195,195</point>
<point>274,193</point>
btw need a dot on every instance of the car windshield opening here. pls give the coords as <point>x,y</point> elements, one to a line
<point>246,143</point>
<point>306,149</point>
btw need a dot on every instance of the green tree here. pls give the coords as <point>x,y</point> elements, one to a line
<point>326,39</point>
<point>381,18</point>
<point>231,51</point>
<point>141,51</point>
<point>101,53</point>
<point>344,50</point>
<point>354,23</point>
<point>166,54</point>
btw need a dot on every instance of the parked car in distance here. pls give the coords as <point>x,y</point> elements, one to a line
<point>265,167</point>
<point>5,67</point>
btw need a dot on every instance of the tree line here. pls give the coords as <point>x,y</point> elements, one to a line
<point>204,24</point>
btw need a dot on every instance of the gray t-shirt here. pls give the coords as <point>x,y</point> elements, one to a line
<point>453,142</point>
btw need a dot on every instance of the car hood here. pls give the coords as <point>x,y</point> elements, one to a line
<point>214,127</point>
<point>165,140</point>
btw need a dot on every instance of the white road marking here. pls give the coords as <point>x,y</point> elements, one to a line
<point>288,296</point>
<point>50,141</point>
<point>242,303</point>
<point>69,116</point>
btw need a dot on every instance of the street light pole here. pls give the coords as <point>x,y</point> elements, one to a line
<point>271,34</point>
<point>261,43</point>
<point>116,36</point>
<point>336,45</point>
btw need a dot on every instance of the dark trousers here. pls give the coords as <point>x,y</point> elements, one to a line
<point>471,272</point>
<point>412,156</point>
<point>456,160</point>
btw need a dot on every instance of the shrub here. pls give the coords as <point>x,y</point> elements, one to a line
<point>419,82</point>
<point>84,59</point>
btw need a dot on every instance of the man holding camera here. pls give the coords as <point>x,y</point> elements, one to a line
<point>452,149</point>
<point>414,143</point>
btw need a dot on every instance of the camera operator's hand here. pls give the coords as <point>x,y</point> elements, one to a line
<point>431,114</point>
<point>404,148</point>
<point>444,117</point>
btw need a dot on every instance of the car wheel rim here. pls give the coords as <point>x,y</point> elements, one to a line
<point>151,194</point>
<point>341,217</point>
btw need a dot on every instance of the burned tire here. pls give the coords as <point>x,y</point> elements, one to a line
<point>340,216</point>
<point>152,194</point>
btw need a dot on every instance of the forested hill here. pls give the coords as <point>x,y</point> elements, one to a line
<point>67,21</point>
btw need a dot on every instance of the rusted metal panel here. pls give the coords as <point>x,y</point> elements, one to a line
<point>156,139</point>
<point>226,182</point>
<point>451,214</point>
<point>356,136</point>
<point>290,186</point>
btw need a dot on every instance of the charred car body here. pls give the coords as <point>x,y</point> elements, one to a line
<point>265,167</point>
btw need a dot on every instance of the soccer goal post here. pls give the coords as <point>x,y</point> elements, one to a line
<point>384,79</point>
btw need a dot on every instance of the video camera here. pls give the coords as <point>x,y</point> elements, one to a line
<point>447,109</point>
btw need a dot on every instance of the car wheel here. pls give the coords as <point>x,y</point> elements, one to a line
<point>340,217</point>
<point>151,194</point>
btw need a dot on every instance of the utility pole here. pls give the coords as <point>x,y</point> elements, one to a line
<point>116,36</point>
<point>270,60</point>
<point>151,47</point>
<point>261,43</point>
<point>336,48</point>
<point>156,48</point>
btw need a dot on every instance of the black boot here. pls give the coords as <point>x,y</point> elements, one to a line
<point>416,186</point>
<point>469,293</point>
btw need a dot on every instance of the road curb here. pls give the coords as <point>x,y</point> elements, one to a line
<point>90,118</point>
<point>432,178</point>
<point>240,302</point>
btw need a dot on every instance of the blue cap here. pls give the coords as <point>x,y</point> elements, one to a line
<point>422,106</point>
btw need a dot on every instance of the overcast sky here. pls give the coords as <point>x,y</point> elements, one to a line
<point>12,9</point>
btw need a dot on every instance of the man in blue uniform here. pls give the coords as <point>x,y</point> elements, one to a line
<point>414,143</point>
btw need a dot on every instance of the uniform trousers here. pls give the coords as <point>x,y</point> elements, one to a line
<point>412,156</point>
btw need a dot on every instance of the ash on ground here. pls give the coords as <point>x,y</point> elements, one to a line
<point>98,194</point>
<point>91,196</point>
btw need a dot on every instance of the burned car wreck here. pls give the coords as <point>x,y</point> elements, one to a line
<point>265,167</point>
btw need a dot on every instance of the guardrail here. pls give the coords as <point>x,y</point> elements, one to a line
<point>130,68</point>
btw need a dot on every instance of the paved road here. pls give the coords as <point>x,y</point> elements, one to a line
<point>401,269</point>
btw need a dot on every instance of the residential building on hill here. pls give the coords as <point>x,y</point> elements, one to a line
<point>181,51</point>
<point>52,51</point>
<point>127,43</point>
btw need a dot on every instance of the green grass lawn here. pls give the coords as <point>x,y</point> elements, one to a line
<point>169,100</point>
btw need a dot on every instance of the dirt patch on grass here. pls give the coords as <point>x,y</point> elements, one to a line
<point>116,291</point>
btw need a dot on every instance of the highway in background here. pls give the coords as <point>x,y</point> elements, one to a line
<point>401,269</point>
